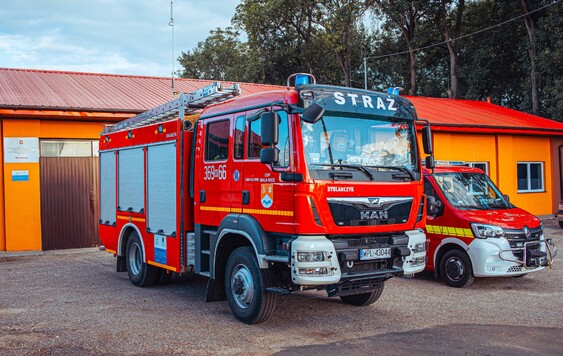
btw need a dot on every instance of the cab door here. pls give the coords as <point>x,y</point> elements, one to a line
<point>270,199</point>
<point>212,180</point>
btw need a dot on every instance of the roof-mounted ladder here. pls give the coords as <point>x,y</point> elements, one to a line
<point>187,103</point>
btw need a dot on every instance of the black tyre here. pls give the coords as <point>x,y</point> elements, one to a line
<point>245,286</point>
<point>364,299</point>
<point>140,273</point>
<point>561,224</point>
<point>456,270</point>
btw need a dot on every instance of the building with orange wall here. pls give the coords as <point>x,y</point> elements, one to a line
<point>51,120</point>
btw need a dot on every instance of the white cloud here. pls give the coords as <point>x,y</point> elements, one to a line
<point>104,36</point>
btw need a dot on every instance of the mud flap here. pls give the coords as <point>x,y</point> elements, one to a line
<point>215,291</point>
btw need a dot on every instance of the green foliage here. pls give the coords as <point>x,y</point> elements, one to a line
<point>330,38</point>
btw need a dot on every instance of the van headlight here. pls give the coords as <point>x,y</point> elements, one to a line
<point>483,231</point>
<point>311,256</point>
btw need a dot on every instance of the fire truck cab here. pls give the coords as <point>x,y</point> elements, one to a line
<point>316,187</point>
<point>474,231</point>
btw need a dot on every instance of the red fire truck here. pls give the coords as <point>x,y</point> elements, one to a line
<point>312,187</point>
<point>474,231</point>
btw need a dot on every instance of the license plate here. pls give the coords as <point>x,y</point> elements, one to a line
<point>375,253</point>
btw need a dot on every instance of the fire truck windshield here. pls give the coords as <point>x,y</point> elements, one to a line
<point>471,191</point>
<point>364,143</point>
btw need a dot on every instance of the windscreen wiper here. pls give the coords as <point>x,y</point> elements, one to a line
<point>340,165</point>
<point>397,168</point>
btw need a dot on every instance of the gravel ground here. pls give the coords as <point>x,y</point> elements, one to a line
<point>73,302</point>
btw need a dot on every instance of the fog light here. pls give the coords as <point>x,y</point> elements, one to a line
<point>418,261</point>
<point>316,271</point>
<point>419,247</point>
<point>310,256</point>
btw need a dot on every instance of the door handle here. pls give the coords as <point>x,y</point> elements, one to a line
<point>245,197</point>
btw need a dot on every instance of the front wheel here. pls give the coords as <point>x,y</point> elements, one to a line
<point>245,286</point>
<point>364,299</point>
<point>456,270</point>
<point>140,273</point>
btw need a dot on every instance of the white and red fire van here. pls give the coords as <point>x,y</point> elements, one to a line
<point>474,231</point>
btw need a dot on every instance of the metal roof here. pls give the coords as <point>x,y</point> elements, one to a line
<point>75,91</point>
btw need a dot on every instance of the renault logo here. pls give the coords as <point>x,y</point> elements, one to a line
<point>373,201</point>
<point>527,233</point>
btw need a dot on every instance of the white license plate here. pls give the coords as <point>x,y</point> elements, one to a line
<point>375,253</point>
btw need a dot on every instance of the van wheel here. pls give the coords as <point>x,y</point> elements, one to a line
<point>245,286</point>
<point>140,273</point>
<point>364,299</point>
<point>456,270</point>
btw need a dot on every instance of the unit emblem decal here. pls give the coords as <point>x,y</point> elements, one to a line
<point>267,195</point>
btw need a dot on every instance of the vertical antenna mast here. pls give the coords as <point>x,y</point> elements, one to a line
<point>171,24</point>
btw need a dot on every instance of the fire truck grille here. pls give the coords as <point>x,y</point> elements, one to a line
<point>359,214</point>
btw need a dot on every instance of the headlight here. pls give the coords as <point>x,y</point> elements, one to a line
<point>483,231</point>
<point>317,271</point>
<point>310,256</point>
<point>419,247</point>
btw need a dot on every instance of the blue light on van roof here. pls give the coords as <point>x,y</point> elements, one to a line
<point>301,79</point>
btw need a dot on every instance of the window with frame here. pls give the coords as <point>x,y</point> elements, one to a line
<point>255,141</point>
<point>484,166</point>
<point>217,141</point>
<point>530,177</point>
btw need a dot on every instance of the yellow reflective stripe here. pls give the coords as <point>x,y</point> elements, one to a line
<point>248,211</point>
<point>449,230</point>
<point>130,218</point>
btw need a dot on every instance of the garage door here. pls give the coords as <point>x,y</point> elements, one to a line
<point>69,190</point>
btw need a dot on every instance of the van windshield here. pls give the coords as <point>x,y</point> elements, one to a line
<point>369,144</point>
<point>470,191</point>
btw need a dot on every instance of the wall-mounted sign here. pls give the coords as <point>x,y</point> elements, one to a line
<point>20,176</point>
<point>21,150</point>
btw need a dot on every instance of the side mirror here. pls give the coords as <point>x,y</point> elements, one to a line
<point>313,113</point>
<point>434,206</point>
<point>269,155</point>
<point>430,164</point>
<point>427,140</point>
<point>269,126</point>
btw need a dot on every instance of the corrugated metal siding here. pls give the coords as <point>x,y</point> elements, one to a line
<point>69,204</point>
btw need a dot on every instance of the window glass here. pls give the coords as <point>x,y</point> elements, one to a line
<point>283,142</point>
<point>522,176</point>
<point>254,139</point>
<point>67,148</point>
<point>535,176</point>
<point>255,142</point>
<point>217,144</point>
<point>239,137</point>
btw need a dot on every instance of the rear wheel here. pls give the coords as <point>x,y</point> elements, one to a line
<point>140,273</point>
<point>364,299</point>
<point>245,286</point>
<point>456,270</point>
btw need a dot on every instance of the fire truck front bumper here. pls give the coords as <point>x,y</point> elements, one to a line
<point>498,257</point>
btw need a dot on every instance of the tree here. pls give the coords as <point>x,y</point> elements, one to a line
<point>405,14</point>
<point>531,27</point>
<point>452,44</point>
<point>220,57</point>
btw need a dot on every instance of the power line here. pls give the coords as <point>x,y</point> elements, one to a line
<point>460,37</point>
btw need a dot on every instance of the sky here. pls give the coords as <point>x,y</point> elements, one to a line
<point>105,36</point>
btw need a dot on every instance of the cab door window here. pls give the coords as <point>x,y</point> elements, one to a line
<point>255,142</point>
<point>217,141</point>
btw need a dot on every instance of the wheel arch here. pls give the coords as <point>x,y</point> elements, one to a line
<point>446,245</point>
<point>126,230</point>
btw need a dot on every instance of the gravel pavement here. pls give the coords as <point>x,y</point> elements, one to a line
<point>73,302</point>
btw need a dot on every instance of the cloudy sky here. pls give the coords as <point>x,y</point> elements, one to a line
<point>105,36</point>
